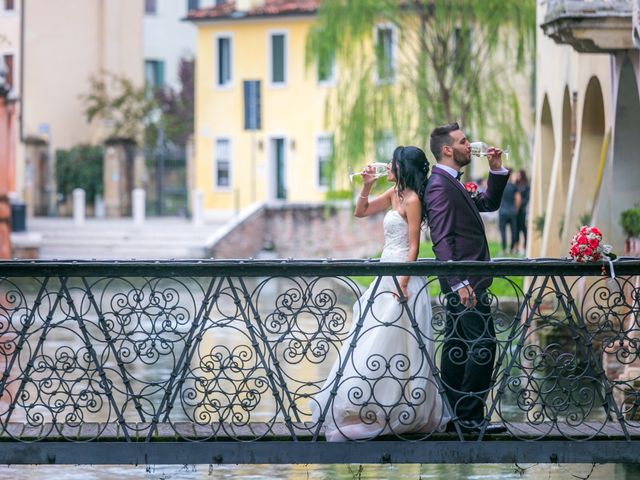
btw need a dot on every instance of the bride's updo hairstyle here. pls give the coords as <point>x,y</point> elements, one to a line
<point>411,168</point>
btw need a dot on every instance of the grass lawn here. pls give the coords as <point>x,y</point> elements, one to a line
<point>501,287</point>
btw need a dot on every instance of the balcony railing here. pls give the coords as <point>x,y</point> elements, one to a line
<point>590,26</point>
<point>156,358</point>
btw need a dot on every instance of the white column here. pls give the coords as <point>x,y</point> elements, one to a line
<point>138,207</point>
<point>197,207</point>
<point>78,206</point>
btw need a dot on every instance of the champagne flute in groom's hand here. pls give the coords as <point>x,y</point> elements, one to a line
<point>479,149</point>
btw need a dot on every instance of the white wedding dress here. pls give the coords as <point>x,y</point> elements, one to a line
<point>387,386</point>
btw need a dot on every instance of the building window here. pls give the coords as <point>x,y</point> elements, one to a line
<point>9,5</point>
<point>385,143</point>
<point>278,47</point>
<point>385,53</point>
<point>150,7</point>
<point>222,162</point>
<point>223,61</point>
<point>193,5</point>
<point>324,148</point>
<point>8,63</point>
<point>326,68</point>
<point>154,74</point>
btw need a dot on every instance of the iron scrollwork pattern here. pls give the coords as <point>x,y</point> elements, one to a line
<point>242,354</point>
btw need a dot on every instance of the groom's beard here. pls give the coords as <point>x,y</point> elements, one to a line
<point>461,159</point>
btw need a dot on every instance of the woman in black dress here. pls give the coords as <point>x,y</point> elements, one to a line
<point>522,184</point>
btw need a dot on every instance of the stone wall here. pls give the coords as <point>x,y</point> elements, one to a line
<point>301,231</point>
<point>292,230</point>
<point>318,231</point>
<point>26,245</point>
<point>243,238</point>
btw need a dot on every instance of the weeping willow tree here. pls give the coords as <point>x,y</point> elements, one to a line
<point>408,66</point>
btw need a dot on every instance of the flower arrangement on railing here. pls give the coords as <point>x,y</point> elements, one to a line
<point>587,246</point>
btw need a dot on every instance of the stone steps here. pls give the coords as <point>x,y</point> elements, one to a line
<point>157,238</point>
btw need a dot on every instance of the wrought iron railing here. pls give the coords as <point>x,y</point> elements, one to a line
<point>241,350</point>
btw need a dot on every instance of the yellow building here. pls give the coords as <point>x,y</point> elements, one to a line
<point>260,132</point>
<point>251,58</point>
<point>586,166</point>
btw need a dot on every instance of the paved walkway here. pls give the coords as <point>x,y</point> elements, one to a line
<point>156,238</point>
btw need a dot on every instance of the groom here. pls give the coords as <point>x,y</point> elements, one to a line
<point>457,233</point>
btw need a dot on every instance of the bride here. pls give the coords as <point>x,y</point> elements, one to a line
<point>386,385</point>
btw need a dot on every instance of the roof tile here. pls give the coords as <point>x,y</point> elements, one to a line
<point>227,10</point>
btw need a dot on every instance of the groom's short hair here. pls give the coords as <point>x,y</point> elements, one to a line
<point>441,136</point>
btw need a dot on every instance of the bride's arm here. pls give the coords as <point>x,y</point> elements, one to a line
<point>364,207</point>
<point>413,209</point>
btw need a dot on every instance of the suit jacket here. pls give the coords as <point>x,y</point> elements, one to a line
<point>457,230</point>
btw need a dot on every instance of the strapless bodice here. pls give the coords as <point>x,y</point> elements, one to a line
<point>396,238</point>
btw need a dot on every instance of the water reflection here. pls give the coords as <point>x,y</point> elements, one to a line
<point>327,472</point>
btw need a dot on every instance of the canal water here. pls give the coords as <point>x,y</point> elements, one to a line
<point>326,472</point>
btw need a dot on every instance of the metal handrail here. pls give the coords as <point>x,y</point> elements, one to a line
<point>319,267</point>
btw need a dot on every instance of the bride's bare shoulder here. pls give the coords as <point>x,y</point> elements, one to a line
<point>410,197</point>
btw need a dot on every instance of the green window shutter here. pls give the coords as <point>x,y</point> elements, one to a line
<point>159,74</point>
<point>277,58</point>
<point>224,60</point>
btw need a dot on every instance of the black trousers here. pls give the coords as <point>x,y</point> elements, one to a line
<point>522,225</point>
<point>468,355</point>
<point>505,219</point>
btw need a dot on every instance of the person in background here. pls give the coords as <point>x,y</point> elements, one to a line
<point>507,215</point>
<point>522,184</point>
<point>482,184</point>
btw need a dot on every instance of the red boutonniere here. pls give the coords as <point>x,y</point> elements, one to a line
<point>472,188</point>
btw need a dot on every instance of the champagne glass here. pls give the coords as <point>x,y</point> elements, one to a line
<point>380,171</point>
<point>479,149</point>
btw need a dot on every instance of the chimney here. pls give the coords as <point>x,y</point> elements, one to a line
<point>247,5</point>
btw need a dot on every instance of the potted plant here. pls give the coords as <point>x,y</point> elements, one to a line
<point>630,223</point>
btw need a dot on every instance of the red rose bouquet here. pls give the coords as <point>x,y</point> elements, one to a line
<point>587,246</point>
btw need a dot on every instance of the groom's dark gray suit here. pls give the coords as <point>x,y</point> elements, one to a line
<point>457,233</point>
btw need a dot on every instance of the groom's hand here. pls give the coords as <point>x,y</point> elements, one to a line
<point>467,296</point>
<point>494,156</point>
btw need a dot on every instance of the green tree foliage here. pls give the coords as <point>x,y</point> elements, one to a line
<point>123,107</point>
<point>80,167</point>
<point>454,61</point>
